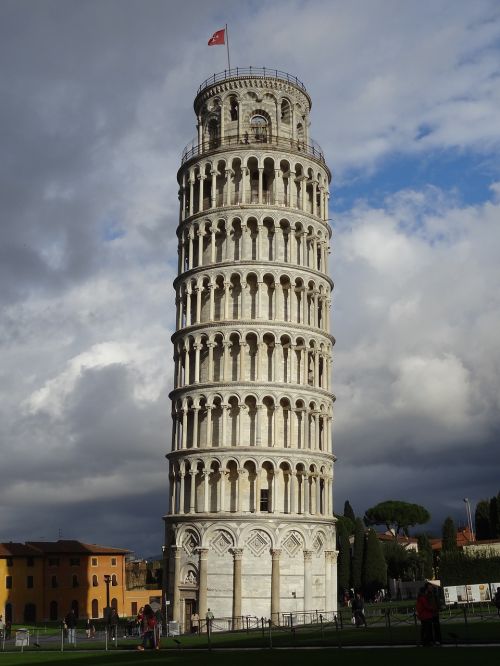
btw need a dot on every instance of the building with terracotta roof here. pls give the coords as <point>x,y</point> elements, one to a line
<point>43,580</point>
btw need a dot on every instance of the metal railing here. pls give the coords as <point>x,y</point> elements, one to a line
<point>311,149</point>
<point>261,72</point>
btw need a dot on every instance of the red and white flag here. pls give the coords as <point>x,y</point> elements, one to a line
<point>217,38</point>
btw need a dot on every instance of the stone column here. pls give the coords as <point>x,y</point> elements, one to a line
<point>308,580</point>
<point>237,557</point>
<point>328,581</point>
<point>275,586</point>
<point>334,597</point>
<point>261,175</point>
<point>184,427</point>
<point>192,498</point>
<point>201,180</point>
<point>206,475</point>
<point>210,346</point>
<point>195,426</point>
<point>209,426</point>
<point>181,493</point>
<point>202,582</point>
<point>213,193</point>
<point>213,245</point>
<point>176,612</point>
<point>197,350</point>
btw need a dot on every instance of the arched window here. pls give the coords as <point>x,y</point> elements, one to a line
<point>74,606</point>
<point>259,128</point>
<point>30,613</point>
<point>95,608</point>
<point>53,610</point>
<point>95,582</point>
<point>213,133</point>
<point>114,603</point>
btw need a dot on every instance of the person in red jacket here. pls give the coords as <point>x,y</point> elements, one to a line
<point>424,612</point>
<point>148,629</point>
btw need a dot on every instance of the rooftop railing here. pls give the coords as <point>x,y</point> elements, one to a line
<point>265,72</point>
<point>311,149</point>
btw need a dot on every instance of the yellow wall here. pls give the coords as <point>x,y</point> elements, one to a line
<point>20,595</point>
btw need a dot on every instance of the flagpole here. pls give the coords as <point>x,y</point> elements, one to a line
<point>227,44</point>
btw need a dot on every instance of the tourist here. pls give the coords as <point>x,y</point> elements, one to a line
<point>496,600</point>
<point>148,629</point>
<point>358,611</point>
<point>70,622</point>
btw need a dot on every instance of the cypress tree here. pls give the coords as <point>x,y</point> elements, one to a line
<point>344,561</point>
<point>426,556</point>
<point>374,575</point>
<point>357,554</point>
<point>494,518</point>
<point>349,512</point>
<point>449,535</point>
<point>482,520</point>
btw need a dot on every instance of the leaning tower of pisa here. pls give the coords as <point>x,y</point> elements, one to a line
<point>250,528</point>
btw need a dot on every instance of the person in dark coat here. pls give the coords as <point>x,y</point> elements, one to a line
<point>358,611</point>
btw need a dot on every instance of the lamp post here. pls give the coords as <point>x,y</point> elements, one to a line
<point>469,517</point>
<point>107,610</point>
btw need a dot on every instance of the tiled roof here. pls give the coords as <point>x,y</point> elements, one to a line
<point>75,547</point>
<point>12,549</point>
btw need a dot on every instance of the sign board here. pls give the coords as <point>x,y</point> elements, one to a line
<point>22,637</point>
<point>173,629</point>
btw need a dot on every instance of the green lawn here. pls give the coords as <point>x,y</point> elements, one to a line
<point>375,657</point>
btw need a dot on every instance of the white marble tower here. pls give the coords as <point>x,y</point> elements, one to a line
<point>250,527</point>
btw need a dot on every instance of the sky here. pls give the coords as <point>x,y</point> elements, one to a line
<point>96,109</point>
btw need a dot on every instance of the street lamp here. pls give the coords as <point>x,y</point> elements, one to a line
<point>469,517</point>
<point>107,610</point>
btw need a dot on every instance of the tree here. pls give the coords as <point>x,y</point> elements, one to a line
<point>374,576</point>
<point>349,512</point>
<point>357,554</point>
<point>482,520</point>
<point>426,556</point>
<point>397,516</point>
<point>494,518</point>
<point>449,535</point>
<point>344,561</point>
<point>396,557</point>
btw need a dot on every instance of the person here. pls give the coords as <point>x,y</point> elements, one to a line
<point>90,629</point>
<point>113,624</point>
<point>70,621</point>
<point>434,604</point>
<point>424,614</point>
<point>2,626</point>
<point>148,629</point>
<point>358,611</point>
<point>496,600</point>
<point>209,618</point>
<point>195,622</point>
<point>138,620</point>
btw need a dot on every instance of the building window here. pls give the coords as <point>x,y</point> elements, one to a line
<point>53,610</point>
<point>94,561</point>
<point>30,562</point>
<point>114,580</point>
<point>29,581</point>
<point>74,561</point>
<point>95,582</point>
<point>114,604</point>
<point>264,500</point>
<point>53,561</point>
<point>8,582</point>
<point>10,562</point>
<point>95,608</point>
<point>53,581</point>
<point>133,608</point>
<point>259,128</point>
<point>74,580</point>
<point>113,561</point>
<point>75,607</point>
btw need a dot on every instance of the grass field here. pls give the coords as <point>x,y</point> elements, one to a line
<point>486,656</point>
